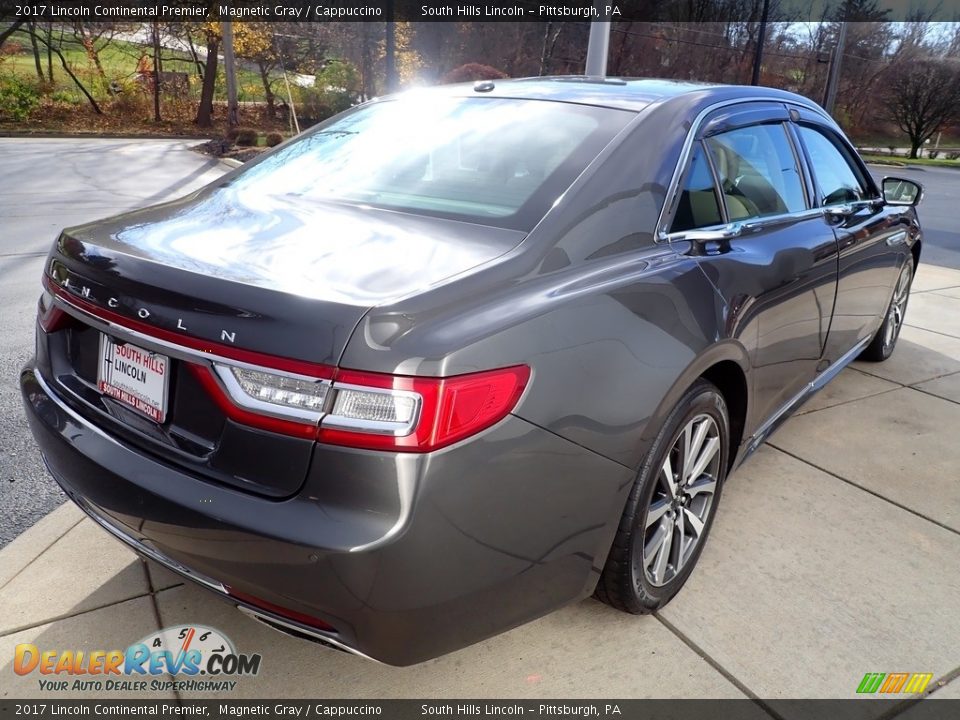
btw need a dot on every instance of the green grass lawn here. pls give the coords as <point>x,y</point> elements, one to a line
<point>901,161</point>
<point>119,60</point>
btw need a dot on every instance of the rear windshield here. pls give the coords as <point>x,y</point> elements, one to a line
<point>493,161</point>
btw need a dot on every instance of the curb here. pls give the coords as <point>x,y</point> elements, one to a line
<point>42,134</point>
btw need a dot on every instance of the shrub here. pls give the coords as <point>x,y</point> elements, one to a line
<point>953,155</point>
<point>274,139</point>
<point>473,71</point>
<point>18,98</point>
<point>11,47</point>
<point>337,88</point>
<point>130,100</point>
<point>246,137</point>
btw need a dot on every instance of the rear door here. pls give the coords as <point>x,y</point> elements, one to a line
<point>872,241</point>
<point>778,270</point>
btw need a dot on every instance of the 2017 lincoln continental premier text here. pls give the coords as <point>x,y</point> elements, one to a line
<point>458,357</point>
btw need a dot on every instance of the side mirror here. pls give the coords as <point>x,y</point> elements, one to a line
<point>899,191</point>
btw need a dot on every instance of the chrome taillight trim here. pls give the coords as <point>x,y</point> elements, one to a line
<point>238,395</point>
<point>374,427</point>
<point>214,362</point>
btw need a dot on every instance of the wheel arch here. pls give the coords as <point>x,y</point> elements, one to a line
<point>731,381</point>
<point>915,251</point>
<point>726,365</point>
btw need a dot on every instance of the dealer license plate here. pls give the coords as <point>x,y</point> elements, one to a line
<point>135,377</point>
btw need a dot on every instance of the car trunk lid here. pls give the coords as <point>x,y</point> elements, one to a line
<point>244,277</point>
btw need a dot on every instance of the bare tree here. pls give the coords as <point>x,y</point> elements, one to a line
<point>55,49</point>
<point>923,97</point>
<point>36,51</point>
<point>10,30</point>
<point>205,109</point>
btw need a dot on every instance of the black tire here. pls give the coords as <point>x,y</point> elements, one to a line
<point>624,583</point>
<point>884,342</point>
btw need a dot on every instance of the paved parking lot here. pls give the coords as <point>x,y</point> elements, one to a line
<point>47,184</point>
<point>834,554</point>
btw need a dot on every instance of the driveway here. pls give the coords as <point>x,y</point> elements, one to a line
<point>47,184</point>
<point>833,555</point>
<point>938,213</point>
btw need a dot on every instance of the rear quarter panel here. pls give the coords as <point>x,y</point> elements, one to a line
<point>613,325</point>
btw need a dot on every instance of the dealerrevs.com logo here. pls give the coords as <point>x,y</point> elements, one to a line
<point>199,658</point>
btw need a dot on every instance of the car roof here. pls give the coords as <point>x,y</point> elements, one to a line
<point>616,92</point>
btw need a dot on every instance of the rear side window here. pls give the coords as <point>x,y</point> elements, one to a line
<point>698,206</point>
<point>492,161</point>
<point>838,179</point>
<point>757,171</point>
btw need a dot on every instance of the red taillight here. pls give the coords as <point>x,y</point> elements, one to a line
<point>51,317</point>
<point>356,409</point>
<point>232,410</point>
<point>450,409</point>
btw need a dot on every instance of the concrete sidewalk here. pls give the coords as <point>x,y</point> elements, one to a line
<point>834,554</point>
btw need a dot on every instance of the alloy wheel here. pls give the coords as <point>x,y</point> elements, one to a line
<point>677,515</point>
<point>898,308</point>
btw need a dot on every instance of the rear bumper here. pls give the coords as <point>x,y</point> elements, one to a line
<point>405,556</point>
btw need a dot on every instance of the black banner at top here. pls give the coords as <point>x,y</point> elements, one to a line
<point>476,11</point>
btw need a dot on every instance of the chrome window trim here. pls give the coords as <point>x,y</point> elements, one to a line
<point>662,235</point>
<point>862,171</point>
<point>751,225</point>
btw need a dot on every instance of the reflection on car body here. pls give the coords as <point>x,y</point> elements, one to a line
<point>454,359</point>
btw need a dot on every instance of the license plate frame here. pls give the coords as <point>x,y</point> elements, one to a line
<point>135,377</point>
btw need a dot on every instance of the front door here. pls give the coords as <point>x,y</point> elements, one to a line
<point>871,238</point>
<point>778,273</point>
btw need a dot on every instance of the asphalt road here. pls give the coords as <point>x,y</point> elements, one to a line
<point>938,211</point>
<point>47,184</point>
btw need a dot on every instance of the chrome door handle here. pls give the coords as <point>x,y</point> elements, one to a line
<point>726,232</point>
<point>898,238</point>
<point>839,211</point>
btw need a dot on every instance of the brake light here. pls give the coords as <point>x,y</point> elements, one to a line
<point>418,414</point>
<point>51,317</point>
<point>309,400</point>
<point>372,411</point>
<point>257,416</point>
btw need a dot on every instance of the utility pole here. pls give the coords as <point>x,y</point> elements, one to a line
<point>229,69</point>
<point>833,78</point>
<point>598,46</point>
<point>758,57</point>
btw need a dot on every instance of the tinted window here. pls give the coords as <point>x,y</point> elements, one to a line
<point>487,160</point>
<point>757,171</point>
<point>838,180</point>
<point>698,206</point>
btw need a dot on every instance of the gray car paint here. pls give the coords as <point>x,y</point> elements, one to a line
<point>410,556</point>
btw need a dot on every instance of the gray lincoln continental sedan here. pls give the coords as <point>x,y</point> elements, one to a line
<point>457,357</point>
